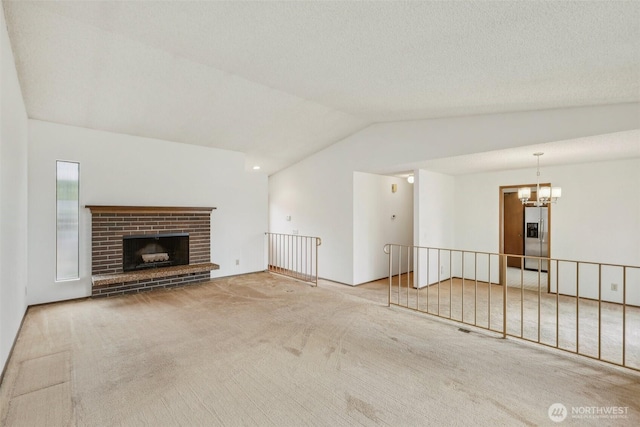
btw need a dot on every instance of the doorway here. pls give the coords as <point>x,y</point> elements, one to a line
<point>513,237</point>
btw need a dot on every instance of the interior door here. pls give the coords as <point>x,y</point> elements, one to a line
<point>513,228</point>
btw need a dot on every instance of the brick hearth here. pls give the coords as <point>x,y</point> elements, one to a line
<point>111,223</point>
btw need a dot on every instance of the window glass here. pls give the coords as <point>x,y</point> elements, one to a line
<point>67,220</point>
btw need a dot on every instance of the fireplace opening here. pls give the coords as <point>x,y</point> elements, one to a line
<point>154,250</point>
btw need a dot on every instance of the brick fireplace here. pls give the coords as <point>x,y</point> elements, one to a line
<point>155,228</point>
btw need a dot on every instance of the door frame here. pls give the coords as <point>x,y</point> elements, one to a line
<point>501,229</point>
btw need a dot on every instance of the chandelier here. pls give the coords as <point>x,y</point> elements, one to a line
<point>545,195</point>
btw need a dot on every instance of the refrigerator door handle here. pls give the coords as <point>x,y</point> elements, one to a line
<point>542,230</point>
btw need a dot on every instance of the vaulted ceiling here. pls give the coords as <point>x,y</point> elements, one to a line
<point>282,80</point>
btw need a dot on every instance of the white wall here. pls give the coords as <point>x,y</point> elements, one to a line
<point>374,204</point>
<point>434,223</point>
<point>597,219</point>
<point>583,227</point>
<point>125,170</point>
<point>435,202</point>
<point>317,192</point>
<point>598,216</point>
<point>603,230</point>
<point>13,198</point>
<point>318,196</point>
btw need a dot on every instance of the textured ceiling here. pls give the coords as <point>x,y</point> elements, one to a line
<point>614,146</point>
<point>282,80</point>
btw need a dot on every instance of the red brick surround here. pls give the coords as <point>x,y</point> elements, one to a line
<point>110,223</point>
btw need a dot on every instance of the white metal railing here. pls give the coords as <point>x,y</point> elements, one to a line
<point>293,255</point>
<point>586,308</point>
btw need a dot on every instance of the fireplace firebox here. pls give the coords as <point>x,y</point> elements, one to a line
<point>154,251</point>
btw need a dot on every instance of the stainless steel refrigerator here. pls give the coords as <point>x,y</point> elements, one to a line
<point>535,237</point>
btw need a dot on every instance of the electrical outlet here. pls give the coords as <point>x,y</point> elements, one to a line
<point>294,232</point>
<point>237,262</point>
<point>614,286</point>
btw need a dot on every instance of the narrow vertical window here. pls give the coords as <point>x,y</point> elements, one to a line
<point>67,220</point>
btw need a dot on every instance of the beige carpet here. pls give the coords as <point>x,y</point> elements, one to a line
<point>526,279</point>
<point>532,315</point>
<point>265,350</point>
